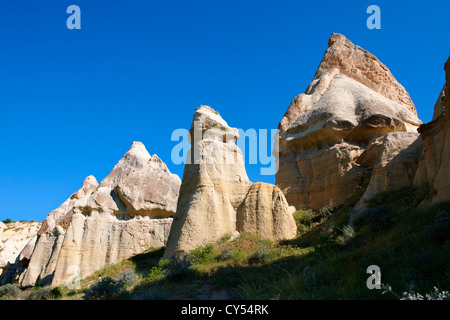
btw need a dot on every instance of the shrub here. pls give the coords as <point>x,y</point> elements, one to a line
<point>411,295</point>
<point>201,254</point>
<point>128,277</point>
<point>434,295</point>
<point>10,292</point>
<point>7,221</point>
<point>226,254</point>
<point>327,210</point>
<point>157,271</point>
<point>106,289</point>
<point>260,255</point>
<point>45,293</point>
<point>178,268</point>
<point>306,220</point>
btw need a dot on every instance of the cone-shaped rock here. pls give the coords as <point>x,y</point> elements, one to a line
<point>214,186</point>
<point>352,100</point>
<point>127,213</point>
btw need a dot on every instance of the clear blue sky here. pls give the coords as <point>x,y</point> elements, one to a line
<point>72,101</point>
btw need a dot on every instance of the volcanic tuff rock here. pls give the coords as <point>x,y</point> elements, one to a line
<point>266,213</point>
<point>216,194</point>
<point>127,213</point>
<point>51,237</point>
<point>352,100</point>
<point>396,157</point>
<point>17,239</point>
<point>434,165</point>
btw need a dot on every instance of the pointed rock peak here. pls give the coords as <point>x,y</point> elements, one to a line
<point>137,144</point>
<point>362,66</point>
<point>157,160</point>
<point>135,158</point>
<point>337,37</point>
<point>137,154</point>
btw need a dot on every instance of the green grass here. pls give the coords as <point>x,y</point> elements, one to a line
<point>327,260</point>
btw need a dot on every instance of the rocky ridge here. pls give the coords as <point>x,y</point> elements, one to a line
<point>100,224</point>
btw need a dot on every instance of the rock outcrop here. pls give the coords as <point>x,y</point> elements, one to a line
<point>434,165</point>
<point>45,256</point>
<point>394,158</point>
<point>127,213</point>
<point>216,194</point>
<point>17,241</point>
<point>266,213</point>
<point>352,100</point>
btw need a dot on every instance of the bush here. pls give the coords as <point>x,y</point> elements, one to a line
<point>128,277</point>
<point>106,289</point>
<point>157,271</point>
<point>226,254</point>
<point>178,268</point>
<point>45,293</point>
<point>306,220</point>
<point>7,221</point>
<point>411,295</point>
<point>260,255</point>
<point>10,292</point>
<point>435,295</point>
<point>327,210</point>
<point>201,254</point>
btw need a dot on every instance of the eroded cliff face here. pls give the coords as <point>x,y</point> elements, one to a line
<point>17,240</point>
<point>127,213</point>
<point>434,165</point>
<point>352,100</point>
<point>215,188</point>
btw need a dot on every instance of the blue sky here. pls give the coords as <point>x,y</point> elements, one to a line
<point>72,101</point>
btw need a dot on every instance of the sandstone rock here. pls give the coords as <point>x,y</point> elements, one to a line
<point>352,100</point>
<point>434,165</point>
<point>266,213</point>
<point>126,214</point>
<point>395,167</point>
<point>215,185</point>
<point>16,237</point>
<point>43,261</point>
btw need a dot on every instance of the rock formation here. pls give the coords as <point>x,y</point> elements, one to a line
<point>216,196</point>
<point>352,100</point>
<point>434,165</point>
<point>266,213</point>
<point>17,241</point>
<point>394,157</point>
<point>100,224</point>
